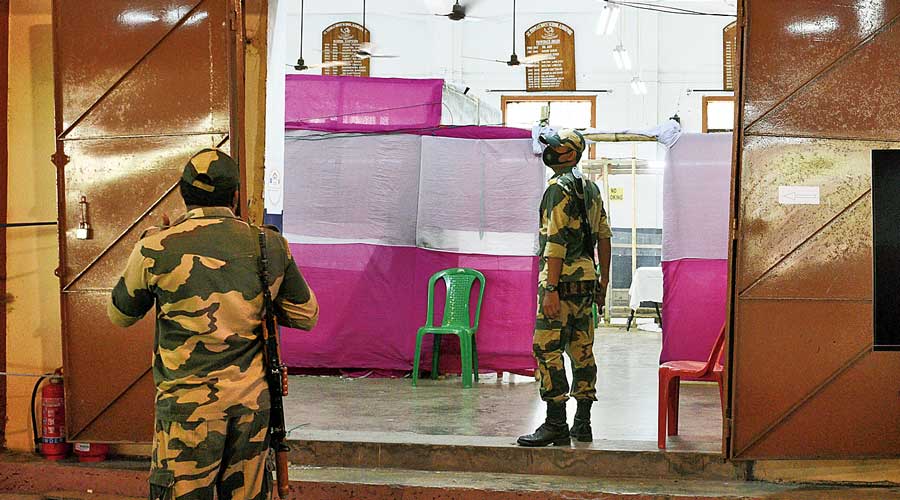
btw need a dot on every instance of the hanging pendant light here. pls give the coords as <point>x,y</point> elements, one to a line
<point>609,17</point>
<point>623,60</point>
<point>638,86</point>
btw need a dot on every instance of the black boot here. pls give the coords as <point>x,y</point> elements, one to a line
<point>553,431</point>
<point>581,428</point>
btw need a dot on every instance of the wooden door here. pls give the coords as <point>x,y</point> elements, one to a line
<point>140,86</point>
<point>818,96</point>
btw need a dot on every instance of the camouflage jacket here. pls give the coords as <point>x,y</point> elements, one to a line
<point>561,234</point>
<point>201,273</point>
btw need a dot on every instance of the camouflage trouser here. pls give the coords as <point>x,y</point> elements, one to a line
<point>572,332</point>
<point>191,460</point>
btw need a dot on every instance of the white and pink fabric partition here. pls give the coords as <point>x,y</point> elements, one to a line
<point>370,217</point>
<point>696,194</point>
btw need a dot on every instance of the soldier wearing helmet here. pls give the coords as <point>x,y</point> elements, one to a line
<point>573,221</point>
<point>202,275</point>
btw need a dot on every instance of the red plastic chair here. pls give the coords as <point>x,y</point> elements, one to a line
<point>670,374</point>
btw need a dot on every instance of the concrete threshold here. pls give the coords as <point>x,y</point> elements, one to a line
<point>332,483</point>
<point>29,477</point>
<point>501,455</point>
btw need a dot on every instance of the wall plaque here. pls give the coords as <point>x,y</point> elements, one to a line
<point>729,56</point>
<point>556,39</point>
<point>340,42</point>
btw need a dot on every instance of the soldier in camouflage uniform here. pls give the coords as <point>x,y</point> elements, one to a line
<point>201,274</point>
<point>566,290</point>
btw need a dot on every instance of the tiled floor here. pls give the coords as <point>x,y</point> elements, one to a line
<point>624,417</point>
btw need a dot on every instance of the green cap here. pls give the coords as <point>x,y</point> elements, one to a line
<point>570,141</point>
<point>213,171</point>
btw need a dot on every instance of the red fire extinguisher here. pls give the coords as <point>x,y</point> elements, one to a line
<point>53,420</point>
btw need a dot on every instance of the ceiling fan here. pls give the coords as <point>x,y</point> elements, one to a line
<point>367,49</point>
<point>514,60</point>
<point>301,64</point>
<point>458,12</point>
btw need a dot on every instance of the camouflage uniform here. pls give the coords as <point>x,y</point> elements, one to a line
<point>212,401</point>
<point>572,331</point>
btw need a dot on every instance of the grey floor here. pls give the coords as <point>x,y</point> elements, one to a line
<point>502,408</point>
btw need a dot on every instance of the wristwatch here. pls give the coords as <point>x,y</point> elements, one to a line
<point>550,288</point>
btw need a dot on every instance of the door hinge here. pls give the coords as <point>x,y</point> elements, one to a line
<point>726,424</point>
<point>734,229</point>
<point>59,159</point>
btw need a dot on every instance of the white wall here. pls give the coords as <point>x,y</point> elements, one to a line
<point>672,53</point>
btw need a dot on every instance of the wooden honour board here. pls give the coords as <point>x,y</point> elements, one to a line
<point>729,56</point>
<point>340,42</point>
<point>558,40</point>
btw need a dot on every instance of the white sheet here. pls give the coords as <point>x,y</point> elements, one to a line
<point>479,196</point>
<point>696,196</point>
<point>646,286</point>
<point>357,188</point>
<point>448,194</point>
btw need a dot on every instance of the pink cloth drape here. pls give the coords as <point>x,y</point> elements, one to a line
<point>693,308</point>
<point>373,298</point>
<point>350,104</point>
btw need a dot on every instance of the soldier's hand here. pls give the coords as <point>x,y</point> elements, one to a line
<point>600,292</point>
<point>550,305</point>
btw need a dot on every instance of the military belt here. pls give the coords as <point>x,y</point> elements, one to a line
<point>576,289</point>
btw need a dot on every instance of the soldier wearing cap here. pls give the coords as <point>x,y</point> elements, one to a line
<point>202,275</point>
<point>573,220</point>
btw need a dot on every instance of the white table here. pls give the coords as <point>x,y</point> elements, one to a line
<point>646,286</point>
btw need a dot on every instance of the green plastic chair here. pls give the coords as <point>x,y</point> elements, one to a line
<point>459,282</point>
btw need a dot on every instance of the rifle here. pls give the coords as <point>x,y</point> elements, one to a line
<point>276,375</point>
<point>588,231</point>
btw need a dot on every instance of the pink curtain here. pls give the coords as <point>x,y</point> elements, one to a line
<point>693,307</point>
<point>479,132</point>
<point>351,104</point>
<point>373,298</point>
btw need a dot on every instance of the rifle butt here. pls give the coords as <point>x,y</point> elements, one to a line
<point>281,474</point>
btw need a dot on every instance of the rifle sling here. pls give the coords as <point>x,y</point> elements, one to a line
<point>585,221</point>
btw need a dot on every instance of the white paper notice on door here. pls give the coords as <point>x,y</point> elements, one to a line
<point>798,195</point>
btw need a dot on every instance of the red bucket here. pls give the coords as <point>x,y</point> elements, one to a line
<point>91,452</point>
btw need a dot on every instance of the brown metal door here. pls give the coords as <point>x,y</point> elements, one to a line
<point>819,94</point>
<point>140,86</point>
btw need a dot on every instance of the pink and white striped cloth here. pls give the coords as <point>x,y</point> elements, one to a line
<point>696,194</point>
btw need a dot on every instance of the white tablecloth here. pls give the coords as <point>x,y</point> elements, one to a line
<point>646,286</point>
